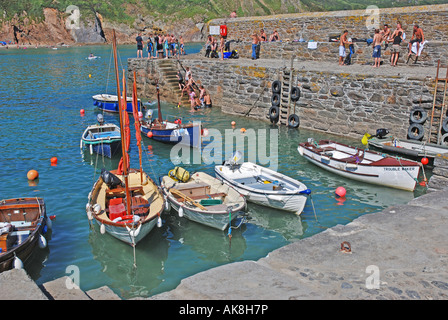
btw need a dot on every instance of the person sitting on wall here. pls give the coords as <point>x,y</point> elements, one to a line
<point>233,14</point>
<point>274,36</point>
<point>263,36</point>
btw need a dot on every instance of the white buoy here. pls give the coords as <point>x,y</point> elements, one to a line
<point>42,242</point>
<point>159,222</point>
<point>18,264</point>
<point>103,228</point>
<point>97,208</point>
<point>181,211</point>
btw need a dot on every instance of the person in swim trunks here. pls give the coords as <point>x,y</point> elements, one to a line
<point>377,40</point>
<point>418,37</point>
<point>342,42</point>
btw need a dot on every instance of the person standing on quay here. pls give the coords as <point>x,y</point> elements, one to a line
<point>343,41</point>
<point>377,40</point>
<point>139,40</point>
<point>255,41</point>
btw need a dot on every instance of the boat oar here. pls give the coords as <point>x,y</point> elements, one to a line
<point>186,198</point>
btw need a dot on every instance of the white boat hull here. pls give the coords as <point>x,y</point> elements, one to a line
<point>286,200</point>
<point>400,176</point>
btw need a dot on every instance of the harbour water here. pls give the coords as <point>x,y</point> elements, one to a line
<point>43,91</point>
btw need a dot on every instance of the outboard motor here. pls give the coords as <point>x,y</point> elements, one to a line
<point>100,119</point>
<point>111,180</point>
<point>381,133</point>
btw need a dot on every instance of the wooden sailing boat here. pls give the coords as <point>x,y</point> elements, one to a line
<point>126,202</point>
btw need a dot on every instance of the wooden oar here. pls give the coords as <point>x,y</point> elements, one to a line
<point>180,194</point>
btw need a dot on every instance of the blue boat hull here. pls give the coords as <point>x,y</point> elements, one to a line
<point>188,136</point>
<point>107,149</point>
<point>112,106</point>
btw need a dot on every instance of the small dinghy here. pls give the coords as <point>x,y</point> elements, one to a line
<point>362,165</point>
<point>23,222</point>
<point>102,138</point>
<point>109,103</point>
<point>263,186</point>
<point>202,198</point>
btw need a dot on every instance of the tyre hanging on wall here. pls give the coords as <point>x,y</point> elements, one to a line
<point>444,140</point>
<point>445,125</point>
<point>275,99</point>
<point>293,121</point>
<point>276,86</point>
<point>274,114</point>
<point>416,131</point>
<point>418,115</point>
<point>295,94</point>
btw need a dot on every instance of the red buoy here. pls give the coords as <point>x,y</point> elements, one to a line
<point>81,112</point>
<point>340,192</point>
<point>54,161</point>
<point>424,161</point>
<point>149,135</point>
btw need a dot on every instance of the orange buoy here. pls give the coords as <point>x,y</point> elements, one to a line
<point>54,161</point>
<point>243,130</point>
<point>32,175</point>
<point>233,123</point>
<point>149,135</point>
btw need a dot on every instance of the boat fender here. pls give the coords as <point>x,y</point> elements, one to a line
<point>276,86</point>
<point>49,223</point>
<point>167,205</point>
<point>418,115</point>
<point>18,264</point>
<point>159,222</point>
<point>134,232</point>
<point>295,94</point>
<point>102,229</point>
<point>415,131</point>
<point>293,121</point>
<point>181,211</point>
<point>42,242</point>
<point>97,208</point>
<point>274,114</point>
<point>275,99</point>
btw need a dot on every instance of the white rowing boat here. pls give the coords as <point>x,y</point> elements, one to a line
<point>264,186</point>
<point>362,165</point>
<point>204,199</point>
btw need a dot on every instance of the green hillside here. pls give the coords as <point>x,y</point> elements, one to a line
<point>198,10</point>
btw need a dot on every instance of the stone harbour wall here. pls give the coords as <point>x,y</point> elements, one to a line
<point>319,26</point>
<point>341,102</point>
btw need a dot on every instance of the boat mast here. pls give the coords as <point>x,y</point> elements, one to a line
<point>158,103</point>
<point>120,107</point>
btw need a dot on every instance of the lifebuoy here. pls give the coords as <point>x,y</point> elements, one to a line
<point>415,131</point>
<point>274,114</point>
<point>276,86</point>
<point>293,121</point>
<point>295,94</point>
<point>275,99</point>
<point>418,115</point>
<point>445,124</point>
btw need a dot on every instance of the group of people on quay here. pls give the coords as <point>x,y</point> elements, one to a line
<point>385,37</point>
<point>160,46</point>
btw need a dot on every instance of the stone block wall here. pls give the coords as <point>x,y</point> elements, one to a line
<point>439,178</point>
<point>348,104</point>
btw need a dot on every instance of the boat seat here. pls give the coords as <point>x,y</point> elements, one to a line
<point>350,160</point>
<point>120,191</point>
<point>205,196</point>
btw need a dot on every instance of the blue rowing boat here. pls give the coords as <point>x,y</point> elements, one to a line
<point>109,103</point>
<point>102,138</point>
<point>170,132</point>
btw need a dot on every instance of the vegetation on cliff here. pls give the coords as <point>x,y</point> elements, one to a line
<point>199,10</point>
